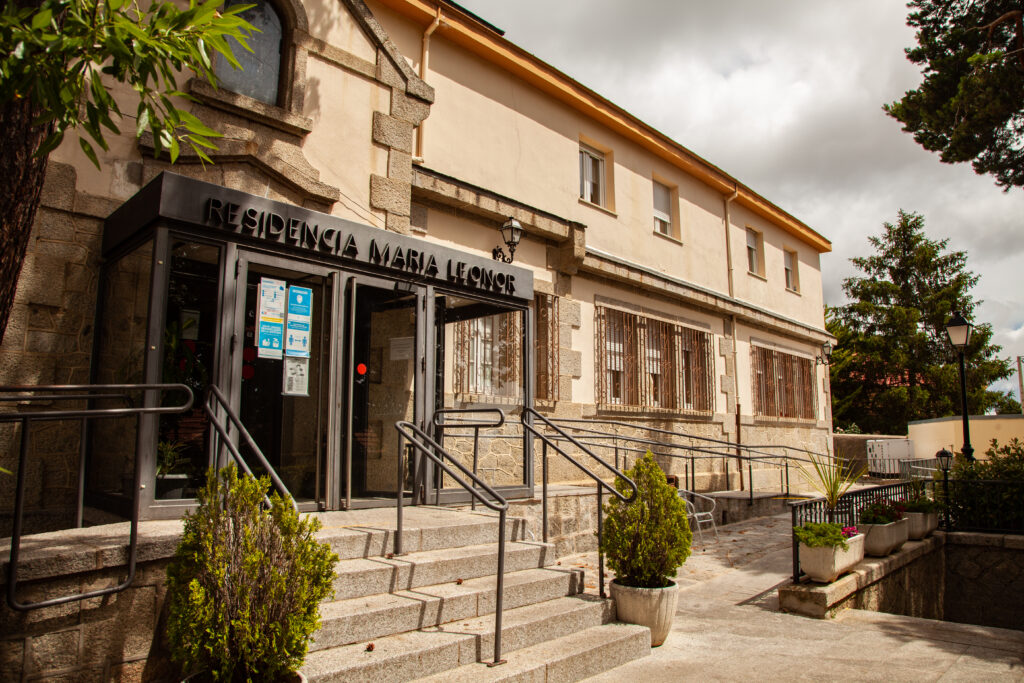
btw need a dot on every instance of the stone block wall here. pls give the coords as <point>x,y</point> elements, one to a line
<point>985,580</point>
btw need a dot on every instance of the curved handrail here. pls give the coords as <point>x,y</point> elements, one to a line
<point>475,425</point>
<point>69,392</point>
<point>468,423</point>
<point>214,392</point>
<point>601,484</point>
<point>426,445</point>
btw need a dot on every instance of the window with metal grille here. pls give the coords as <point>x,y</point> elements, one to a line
<point>488,356</point>
<point>649,363</point>
<point>546,363</point>
<point>783,384</point>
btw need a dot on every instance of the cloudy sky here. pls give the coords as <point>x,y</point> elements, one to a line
<point>786,96</point>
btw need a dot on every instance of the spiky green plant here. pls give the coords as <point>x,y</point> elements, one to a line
<point>647,539</point>
<point>831,478</point>
<point>245,584</point>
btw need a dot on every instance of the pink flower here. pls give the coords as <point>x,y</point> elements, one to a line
<point>849,531</point>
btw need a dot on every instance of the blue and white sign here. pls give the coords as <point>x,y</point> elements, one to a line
<point>270,326</point>
<point>300,309</point>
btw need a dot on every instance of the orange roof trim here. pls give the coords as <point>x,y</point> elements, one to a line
<point>462,29</point>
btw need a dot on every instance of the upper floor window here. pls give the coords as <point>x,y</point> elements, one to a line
<point>649,363</point>
<point>260,75</point>
<point>755,252</point>
<point>663,209</point>
<point>592,178</point>
<point>783,384</point>
<point>792,271</point>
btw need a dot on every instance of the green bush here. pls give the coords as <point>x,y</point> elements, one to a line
<point>245,584</point>
<point>825,534</point>
<point>647,539</point>
<point>987,494</point>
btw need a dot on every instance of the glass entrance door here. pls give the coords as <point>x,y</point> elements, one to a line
<point>383,376</point>
<point>281,360</point>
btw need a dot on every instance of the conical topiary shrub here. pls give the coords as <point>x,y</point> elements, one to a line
<point>645,541</point>
<point>245,584</point>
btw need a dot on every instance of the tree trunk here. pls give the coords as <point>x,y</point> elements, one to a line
<point>21,177</point>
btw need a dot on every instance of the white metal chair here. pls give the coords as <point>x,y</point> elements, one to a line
<point>700,518</point>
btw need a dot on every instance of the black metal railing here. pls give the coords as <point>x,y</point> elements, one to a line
<point>918,468</point>
<point>986,505</point>
<point>846,512</point>
<point>461,421</point>
<point>221,436</point>
<point>547,441</point>
<point>422,443</point>
<point>88,393</point>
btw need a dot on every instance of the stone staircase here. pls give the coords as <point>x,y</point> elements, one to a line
<point>429,613</point>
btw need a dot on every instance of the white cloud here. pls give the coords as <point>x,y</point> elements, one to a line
<point>787,97</point>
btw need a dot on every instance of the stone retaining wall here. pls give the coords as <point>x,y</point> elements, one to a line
<point>969,578</point>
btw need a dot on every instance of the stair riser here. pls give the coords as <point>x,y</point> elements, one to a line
<point>422,611</point>
<point>598,660</point>
<point>389,576</point>
<point>358,543</point>
<point>516,637</point>
<point>450,648</point>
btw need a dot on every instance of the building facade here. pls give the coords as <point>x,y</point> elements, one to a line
<point>332,272</point>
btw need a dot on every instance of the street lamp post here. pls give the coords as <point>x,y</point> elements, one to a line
<point>945,458</point>
<point>958,330</point>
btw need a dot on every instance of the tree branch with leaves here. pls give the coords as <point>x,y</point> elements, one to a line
<point>60,61</point>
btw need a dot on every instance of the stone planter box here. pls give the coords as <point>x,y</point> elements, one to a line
<point>826,564</point>
<point>882,539</point>
<point>921,524</point>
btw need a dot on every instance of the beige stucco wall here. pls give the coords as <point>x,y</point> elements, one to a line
<point>930,436</point>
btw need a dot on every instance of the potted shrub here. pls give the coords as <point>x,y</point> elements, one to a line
<point>245,584</point>
<point>828,550</point>
<point>884,527</point>
<point>921,511</point>
<point>645,542</point>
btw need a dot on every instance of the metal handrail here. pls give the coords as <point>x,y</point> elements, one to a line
<point>693,452</point>
<point>476,425</point>
<point>422,442</point>
<point>223,432</point>
<point>64,393</point>
<point>601,484</point>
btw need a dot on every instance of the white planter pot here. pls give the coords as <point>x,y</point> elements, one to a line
<point>826,564</point>
<point>650,607</point>
<point>883,539</point>
<point>922,524</point>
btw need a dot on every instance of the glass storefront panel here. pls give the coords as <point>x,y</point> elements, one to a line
<point>120,359</point>
<point>481,351</point>
<point>189,348</point>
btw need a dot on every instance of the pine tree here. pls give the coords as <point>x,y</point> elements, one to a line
<point>895,363</point>
<point>970,106</point>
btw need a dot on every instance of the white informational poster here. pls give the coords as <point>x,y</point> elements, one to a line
<point>402,348</point>
<point>296,376</point>
<point>297,326</point>
<point>270,332</point>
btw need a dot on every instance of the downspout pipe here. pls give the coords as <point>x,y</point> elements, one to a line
<point>735,354</point>
<point>424,57</point>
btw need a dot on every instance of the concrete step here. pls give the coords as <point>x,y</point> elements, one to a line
<point>570,658</point>
<point>371,533</point>
<point>370,576</point>
<point>375,616</point>
<point>415,654</point>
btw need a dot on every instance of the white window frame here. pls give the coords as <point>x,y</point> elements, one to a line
<point>592,180</point>
<point>663,222</point>
<point>791,264</point>
<point>755,252</point>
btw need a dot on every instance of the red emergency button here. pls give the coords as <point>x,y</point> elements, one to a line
<point>361,369</point>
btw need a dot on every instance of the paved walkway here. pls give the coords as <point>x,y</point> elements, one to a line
<point>728,628</point>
